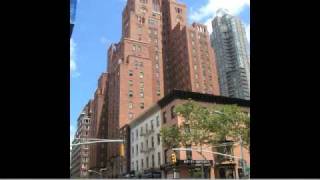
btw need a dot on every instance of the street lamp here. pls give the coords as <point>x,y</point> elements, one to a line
<point>95,140</point>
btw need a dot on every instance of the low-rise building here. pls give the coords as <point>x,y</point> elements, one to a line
<point>80,153</point>
<point>150,158</point>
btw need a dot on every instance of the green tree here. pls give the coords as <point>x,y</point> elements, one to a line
<point>230,121</point>
<point>170,136</point>
<point>207,125</point>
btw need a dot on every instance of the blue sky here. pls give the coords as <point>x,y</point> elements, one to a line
<point>98,24</point>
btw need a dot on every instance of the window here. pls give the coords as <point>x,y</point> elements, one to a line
<point>141,64</point>
<point>141,146</point>
<point>195,67</point>
<point>159,159</point>
<point>141,75</point>
<point>130,93</point>
<point>137,165</point>
<point>137,149</point>
<point>152,124</point>
<point>152,160</point>
<point>132,166</point>
<point>141,105</point>
<point>164,117</point>
<point>130,73</point>
<point>137,134</point>
<point>132,151</point>
<point>147,144</point>
<point>178,10</point>
<point>130,83</point>
<point>132,137</point>
<point>142,165</point>
<point>147,128</point>
<point>141,94</point>
<point>173,114</point>
<point>141,20</point>
<point>130,105</point>
<point>157,66</point>
<point>141,131</point>
<point>141,85</point>
<point>152,142</point>
<point>147,162</point>
<point>157,119</point>
<point>158,137</point>
<point>165,156</point>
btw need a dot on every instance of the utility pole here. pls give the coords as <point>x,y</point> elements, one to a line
<point>241,156</point>
<point>174,161</point>
<point>202,165</point>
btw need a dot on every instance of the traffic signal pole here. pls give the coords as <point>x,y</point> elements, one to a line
<point>174,161</point>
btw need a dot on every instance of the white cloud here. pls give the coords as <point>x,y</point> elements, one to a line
<point>247,27</point>
<point>72,132</point>
<point>209,10</point>
<point>209,25</point>
<point>73,65</point>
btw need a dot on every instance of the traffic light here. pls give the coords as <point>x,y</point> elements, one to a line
<point>173,158</point>
<point>122,150</point>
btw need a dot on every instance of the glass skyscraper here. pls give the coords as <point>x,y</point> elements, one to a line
<point>231,47</point>
<point>73,8</point>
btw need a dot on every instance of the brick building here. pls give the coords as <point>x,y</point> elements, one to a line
<point>97,105</point>
<point>154,56</point>
<point>80,154</point>
<point>149,158</point>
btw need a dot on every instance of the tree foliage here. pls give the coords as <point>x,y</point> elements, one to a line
<point>207,125</point>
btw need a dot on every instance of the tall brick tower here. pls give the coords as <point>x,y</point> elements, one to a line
<point>135,70</point>
<point>158,52</point>
<point>189,60</point>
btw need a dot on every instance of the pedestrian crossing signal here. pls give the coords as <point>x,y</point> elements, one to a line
<point>173,158</point>
<point>122,150</point>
